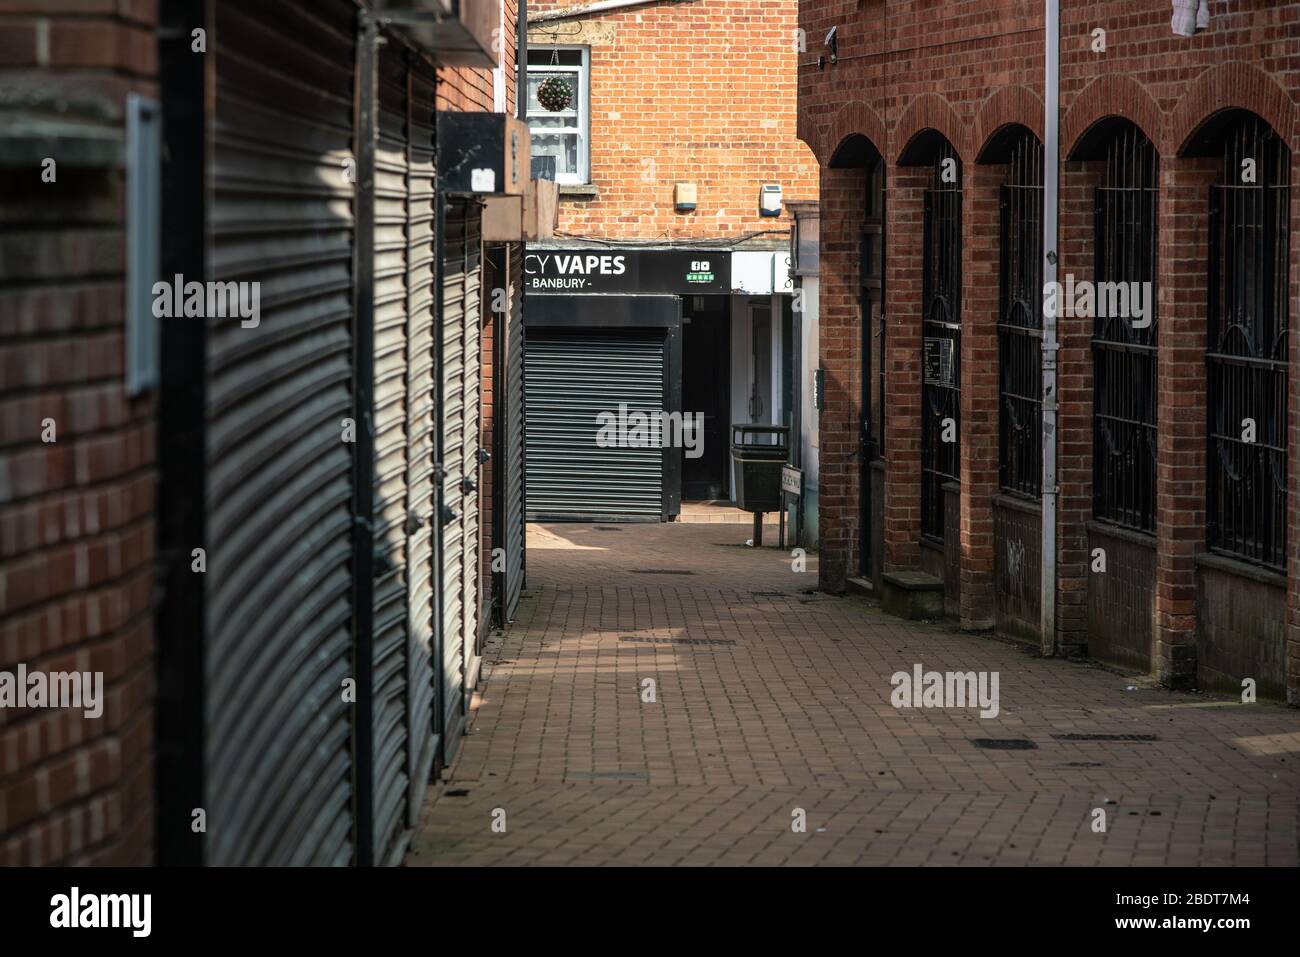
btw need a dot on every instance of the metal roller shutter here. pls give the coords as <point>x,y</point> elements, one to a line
<point>458,446</point>
<point>421,436</point>
<point>277,733</point>
<point>569,379</point>
<point>472,438</point>
<point>390,625</point>
<point>514,442</point>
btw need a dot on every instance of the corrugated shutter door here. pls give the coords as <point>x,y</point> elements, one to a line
<point>421,439</point>
<point>569,380</point>
<point>514,443</point>
<point>278,767</point>
<point>473,437</point>
<point>461,262</point>
<point>390,470</point>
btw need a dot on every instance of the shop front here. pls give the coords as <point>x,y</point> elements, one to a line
<point>637,362</point>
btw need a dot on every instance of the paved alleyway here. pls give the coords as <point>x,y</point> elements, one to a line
<point>771,698</point>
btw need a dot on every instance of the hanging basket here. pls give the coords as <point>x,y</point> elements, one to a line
<point>555,94</point>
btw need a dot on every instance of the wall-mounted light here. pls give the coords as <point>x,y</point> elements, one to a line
<point>684,197</point>
<point>832,44</point>
<point>769,199</point>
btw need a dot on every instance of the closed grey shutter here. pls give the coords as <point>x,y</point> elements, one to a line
<point>459,442</point>
<point>569,380</point>
<point>277,732</point>
<point>421,437</point>
<point>514,439</point>
<point>390,627</point>
<point>473,439</point>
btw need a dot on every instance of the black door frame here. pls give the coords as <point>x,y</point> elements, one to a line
<point>723,391</point>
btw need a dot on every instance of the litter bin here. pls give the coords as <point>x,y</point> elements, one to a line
<point>758,453</point>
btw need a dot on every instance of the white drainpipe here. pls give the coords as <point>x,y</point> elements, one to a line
<point>1051,186</point>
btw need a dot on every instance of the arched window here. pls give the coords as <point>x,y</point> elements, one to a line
<point>1124,346</point>
<point>1020,321</point>
<point>1246,347</point>
<point>941,339</point>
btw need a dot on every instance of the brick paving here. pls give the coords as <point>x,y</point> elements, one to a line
<point>780,700</point>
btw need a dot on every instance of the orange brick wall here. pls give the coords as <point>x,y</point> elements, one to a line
<point>702,92</point>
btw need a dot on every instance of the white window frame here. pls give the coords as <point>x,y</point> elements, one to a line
<point>583,176</point>
<point>143,242</point>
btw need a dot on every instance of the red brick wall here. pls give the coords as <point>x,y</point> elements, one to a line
<point>966,68</point>
<point>842,194</point>
<point>981,217</point>
<point>1181,381</point>
<point>904,187</point>
<point>1078,183</point>
<point>704,91</point>
<point>76,527</point>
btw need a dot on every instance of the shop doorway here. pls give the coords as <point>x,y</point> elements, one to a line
<point>760,362</point>
<point>706,386</point>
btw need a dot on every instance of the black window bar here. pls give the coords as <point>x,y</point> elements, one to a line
<point>1124,350</point>
<point>941,340</point>
<point>1020,325</point>
<point>1247,349</point>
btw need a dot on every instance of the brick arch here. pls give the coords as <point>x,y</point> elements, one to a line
<point>1233,85</point>
<point>854,118</point>
<point>1114,94</point>
<point>930,111</point>
<point>1006,106</point>
<point>807,130</point>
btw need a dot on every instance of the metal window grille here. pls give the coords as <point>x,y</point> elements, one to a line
<point>1020,327</point>
<point>1246,348</point>
<point>941,340</point>
<point>1124,352</point>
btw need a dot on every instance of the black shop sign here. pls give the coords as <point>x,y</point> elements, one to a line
<point>683,272</point>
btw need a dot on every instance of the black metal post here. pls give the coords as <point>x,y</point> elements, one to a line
<point>363,449</point>
<point>180,631</point>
